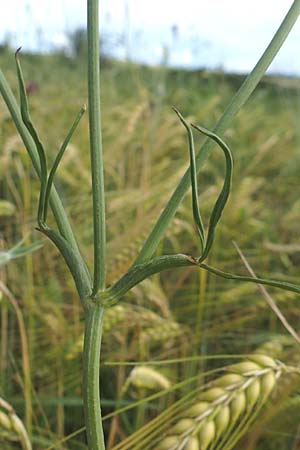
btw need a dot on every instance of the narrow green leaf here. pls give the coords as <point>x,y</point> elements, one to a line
<point>225,191</point>
<point>58,159</point>
<point>30,127</point>
<point>136,274</point>
<point>281,284</point>
<point>194,182</point>
<point>18,251</point>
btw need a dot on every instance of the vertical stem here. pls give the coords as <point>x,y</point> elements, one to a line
<point>91,373</point>
<point>96,145</point>
<point>94,314</point>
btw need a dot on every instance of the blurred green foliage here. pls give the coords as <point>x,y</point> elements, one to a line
<point>182,314</point>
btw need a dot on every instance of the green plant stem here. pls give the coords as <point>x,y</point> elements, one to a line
<point>95,312</point>
<point>55,202</point>
<point>91,373</point>
<point>96,146</point>
<point>235,105</point>
<point>136,274</point>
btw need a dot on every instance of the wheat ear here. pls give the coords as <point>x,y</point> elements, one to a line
<point>222,413</point>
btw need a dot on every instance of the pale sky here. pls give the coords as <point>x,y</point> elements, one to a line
<point>210,33</point>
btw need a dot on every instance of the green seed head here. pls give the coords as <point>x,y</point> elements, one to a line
<point>17,424</point>
<point>252,393</point>
<point>169,443</point>
<point>237,406</point>
<point>183,426</point>
<point>5,421</point>
<point>229,400</point>
<point>267,384</point>
<point>273,348</point>
<point>212,394</point>
<point>229,381</point>
<point>263,360</point>
<point>146,378</point>
<point>207,434</point>
<point>197,409</point>
<point>243,368</point>
<point>192,444</point>
<point>222,419</point>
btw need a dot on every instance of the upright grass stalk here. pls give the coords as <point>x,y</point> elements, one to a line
<point>95,311</point>
<point>91,373</point>
<point>96,145</point>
